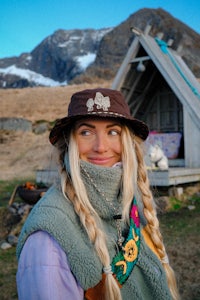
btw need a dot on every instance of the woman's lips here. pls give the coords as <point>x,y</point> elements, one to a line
<point>99,161</point>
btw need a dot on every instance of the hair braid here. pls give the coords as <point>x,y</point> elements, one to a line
<point>153,223</point>
<point>74,190</point>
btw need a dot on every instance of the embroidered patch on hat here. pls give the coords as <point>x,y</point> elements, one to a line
<point>100,101</point>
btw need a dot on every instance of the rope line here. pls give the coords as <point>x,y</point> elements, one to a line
<point>163,46</point>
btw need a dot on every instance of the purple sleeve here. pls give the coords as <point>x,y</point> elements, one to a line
<point>43,271</point>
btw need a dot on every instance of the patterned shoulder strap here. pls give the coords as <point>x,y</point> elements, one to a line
<point>124,261</point>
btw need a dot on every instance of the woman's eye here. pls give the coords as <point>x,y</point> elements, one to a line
<point>114,132</point>
<point>85,132</point>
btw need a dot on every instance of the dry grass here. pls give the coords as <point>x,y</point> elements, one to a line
<point>22,153</point>
<point>41,103</point>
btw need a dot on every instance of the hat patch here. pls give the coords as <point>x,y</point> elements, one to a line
<point>100,101</point>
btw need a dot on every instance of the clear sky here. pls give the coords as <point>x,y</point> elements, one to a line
<point>25,23</point>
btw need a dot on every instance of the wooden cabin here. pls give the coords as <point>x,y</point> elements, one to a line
<point>163,92</point>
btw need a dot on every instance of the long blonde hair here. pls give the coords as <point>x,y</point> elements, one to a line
<point>136,180</point>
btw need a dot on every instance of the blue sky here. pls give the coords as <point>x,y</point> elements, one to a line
<point>25,23</point>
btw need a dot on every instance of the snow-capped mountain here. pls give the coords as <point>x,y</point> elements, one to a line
<point>58,59</point>
<point>75,56</point>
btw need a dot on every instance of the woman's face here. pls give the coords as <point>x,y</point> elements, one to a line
<point>99,141</point>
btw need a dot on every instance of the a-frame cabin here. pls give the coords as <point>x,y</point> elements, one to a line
<point>162,91</point>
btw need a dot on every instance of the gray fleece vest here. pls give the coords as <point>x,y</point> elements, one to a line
<point>54,214</point>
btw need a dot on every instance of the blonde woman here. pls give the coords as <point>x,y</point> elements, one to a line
<point>95,234</point>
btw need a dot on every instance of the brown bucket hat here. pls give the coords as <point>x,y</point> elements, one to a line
<point>99,102</point>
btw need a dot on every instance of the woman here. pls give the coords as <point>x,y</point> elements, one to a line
<point>95,234</point>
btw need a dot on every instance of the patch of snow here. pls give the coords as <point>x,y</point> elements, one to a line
<point>69,41</point>
<point>31,76</point>
<point>96,36</point>
<point>99,34</point>
<point>85,60</point>
<point>29,57</point>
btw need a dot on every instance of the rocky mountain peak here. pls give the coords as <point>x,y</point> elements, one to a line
<point>74,56</point>
<point>115,44</point>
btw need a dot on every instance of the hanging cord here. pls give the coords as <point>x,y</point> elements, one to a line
<point>163,46</point>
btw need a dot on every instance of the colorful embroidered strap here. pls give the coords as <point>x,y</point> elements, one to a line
<point>123,263</point>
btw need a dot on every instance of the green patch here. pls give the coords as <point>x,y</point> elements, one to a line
<point>8,269</point>
<point>7,255</point>
<point>176,204</point>
<point>41,121</point>
<point>181,222</point>
<point>195,199</point>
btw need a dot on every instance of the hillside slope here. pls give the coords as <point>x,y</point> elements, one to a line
<point>22,153</point>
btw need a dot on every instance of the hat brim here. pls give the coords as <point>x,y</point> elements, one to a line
<point>139,128</point>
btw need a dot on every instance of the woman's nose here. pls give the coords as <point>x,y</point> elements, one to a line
<point>101,144</point>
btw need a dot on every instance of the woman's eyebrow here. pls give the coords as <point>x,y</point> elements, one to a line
<point>85,124</point>
<point>114,124</point>
<point>93,126</point>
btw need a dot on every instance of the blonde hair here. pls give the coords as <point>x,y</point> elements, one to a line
<point>136,180</point>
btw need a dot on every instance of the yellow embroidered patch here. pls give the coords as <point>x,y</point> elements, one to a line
<point>130,251</point>
<point>122,264</point>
